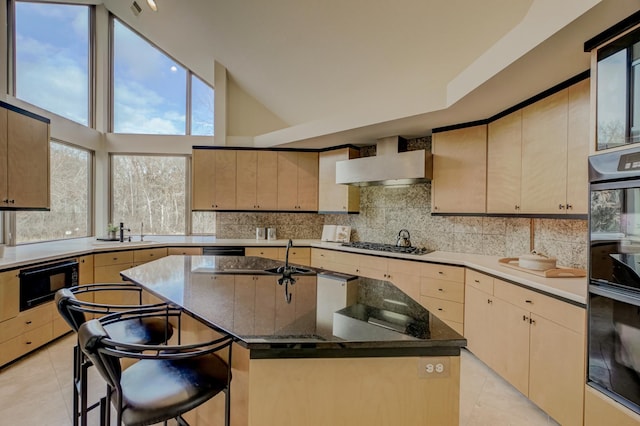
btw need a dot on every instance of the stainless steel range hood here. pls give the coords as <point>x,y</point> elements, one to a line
<point>392,165</point>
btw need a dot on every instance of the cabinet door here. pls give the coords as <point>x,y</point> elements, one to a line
<point>246,180</point>
<point>578,148</point>
<point>28,166</point>
<point>479,326</point>
<point>203,178</point>
<point>459,182</point>
<point>511,350</point>
<point>544,155</point>
<point>557,370</point>
<point>85,269</point>
<point>405,275</point>
<point>504,164</point>
<point>225,180</point>
<point>331,196</point>
<point>9,295</point>
<point>308,181</point>
<point>267,180</point>
<point>287,180</point>
<point>3,157</point>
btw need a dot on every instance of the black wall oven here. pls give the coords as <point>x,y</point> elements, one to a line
<point>39,284</point>
<point>614,276</point>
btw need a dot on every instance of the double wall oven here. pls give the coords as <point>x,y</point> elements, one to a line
<point>614,276</point>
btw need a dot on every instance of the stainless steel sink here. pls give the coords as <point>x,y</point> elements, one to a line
<point>294,270</point>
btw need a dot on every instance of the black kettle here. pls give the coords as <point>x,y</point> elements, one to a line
<point>403,239</point>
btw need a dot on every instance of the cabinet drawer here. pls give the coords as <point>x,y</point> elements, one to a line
<point>114,258</point>
<point>25,343</point>
<point>111,273</point>
<point>442,272</point>
<point>268,252</point>
<point>60,327</point>
<point>480,281</point>
<point>570,316</point>
<point>441,289</point>
<point>190,251</point>
<point>295,253</point>
<point>457,326</point>
<point>403,266</point>
<point>444,309</point>
<point>147,255</point>
<point>26,321</point>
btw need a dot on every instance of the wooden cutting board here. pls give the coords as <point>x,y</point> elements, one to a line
<point>512,262</point>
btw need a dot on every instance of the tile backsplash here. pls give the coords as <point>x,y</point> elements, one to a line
<point>385,210</point>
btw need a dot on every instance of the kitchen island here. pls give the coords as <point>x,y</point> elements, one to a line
<point>346,350</point>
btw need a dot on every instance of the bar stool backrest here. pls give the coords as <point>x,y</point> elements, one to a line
<point>69,308</point>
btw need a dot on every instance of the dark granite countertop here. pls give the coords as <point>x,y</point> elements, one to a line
<point>330,314</point>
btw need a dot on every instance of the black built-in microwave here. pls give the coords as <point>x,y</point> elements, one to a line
<point>39,284</point>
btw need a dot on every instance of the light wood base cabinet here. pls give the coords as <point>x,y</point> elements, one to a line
<point>537,343</point>
<point>600,410</point>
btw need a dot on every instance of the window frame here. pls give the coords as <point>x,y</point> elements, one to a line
<point>91,56</point>
<point>111,78</point>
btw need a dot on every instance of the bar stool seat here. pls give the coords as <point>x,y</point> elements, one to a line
<point>166,382</point>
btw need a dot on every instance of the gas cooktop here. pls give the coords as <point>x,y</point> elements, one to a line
<point>387,247</point>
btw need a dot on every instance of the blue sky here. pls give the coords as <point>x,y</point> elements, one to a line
<point>52,72</point>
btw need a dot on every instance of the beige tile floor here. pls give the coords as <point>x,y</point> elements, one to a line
<point>36,391</point>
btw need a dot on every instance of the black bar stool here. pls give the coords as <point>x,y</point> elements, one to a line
<point>148,330</point>
<point>164,383</point>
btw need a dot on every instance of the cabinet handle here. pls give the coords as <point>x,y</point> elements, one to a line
<point>561,206</point>
<point>489,301</point>
<point>532,321</point>
<point>440,289</point>
<point>517,207</point>
<point>524,318</point>
<point>440,309</point>
<point>440,272</point>
<point>435,207</point>
<point>477,281</point>
<point>27,322</point>
<point>569,207</point>
<point>528,301</point>
<point>150,254</point>
<point>28,342</point>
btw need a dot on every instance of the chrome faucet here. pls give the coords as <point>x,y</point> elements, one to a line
<point>286,257</point>
<point>122,229</point>
<point>287,271</point>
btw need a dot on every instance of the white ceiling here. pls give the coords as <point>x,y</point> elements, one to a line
<point>349,71</point>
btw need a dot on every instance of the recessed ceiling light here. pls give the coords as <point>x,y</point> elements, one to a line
<point>152,4</point>
<point>135,8</point>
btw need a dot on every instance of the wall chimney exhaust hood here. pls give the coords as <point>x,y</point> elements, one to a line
<point>392,165</point>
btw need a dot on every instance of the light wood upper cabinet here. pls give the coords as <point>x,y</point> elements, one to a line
<point>298,181</point>
<point>257,180</point>
<point>544,154</point>
<point>459,182</point>
<point>213,179</point>
<point>578,148</point>
<point>333,197</point>
<point>504,164</point>
<point>24,161</point>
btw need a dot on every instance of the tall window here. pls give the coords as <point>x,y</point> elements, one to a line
<point>150,93</point>
<point>69,217</point>
<point>52,57</point>
<point>202,99</point>
<point>150,190</point>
